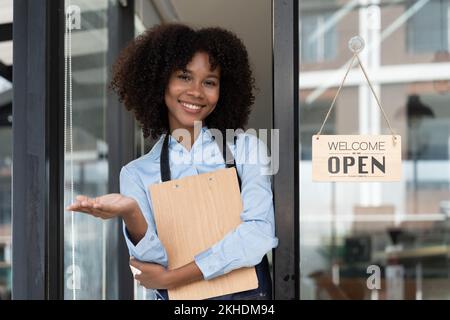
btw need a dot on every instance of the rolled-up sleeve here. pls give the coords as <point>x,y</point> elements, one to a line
<point>149,248</point>
<point>246,245</point>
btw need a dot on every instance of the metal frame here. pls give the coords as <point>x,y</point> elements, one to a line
<point>120,139</point>
<point>38,171</point>
<point>285,117</point>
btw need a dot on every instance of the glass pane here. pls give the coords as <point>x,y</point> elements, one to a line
<point>87,273</point>
<point>6,53</point>
<point>414,32</point>
<point>427,31</point>
<point>377,240</point>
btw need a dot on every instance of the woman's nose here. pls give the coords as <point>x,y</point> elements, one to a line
<point>195,90</point>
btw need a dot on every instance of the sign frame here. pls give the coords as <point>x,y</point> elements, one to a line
<point>356,158</point>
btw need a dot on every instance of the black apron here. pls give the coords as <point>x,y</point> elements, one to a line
<point>264,290</point>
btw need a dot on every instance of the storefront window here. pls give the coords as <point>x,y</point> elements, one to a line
<point>395,233</point>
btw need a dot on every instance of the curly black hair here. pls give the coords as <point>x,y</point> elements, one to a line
<point>142,71</point>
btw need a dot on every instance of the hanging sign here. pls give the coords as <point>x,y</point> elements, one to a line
<point>356,158</point>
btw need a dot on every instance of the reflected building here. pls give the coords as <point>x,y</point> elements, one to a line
<point>401,227</point>
<point>5,147</point>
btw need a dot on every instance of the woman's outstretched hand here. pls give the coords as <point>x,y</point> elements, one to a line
<point>106,207</point>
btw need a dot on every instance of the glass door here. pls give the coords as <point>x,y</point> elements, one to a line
<point>86,149</point>
<point>377,240</point>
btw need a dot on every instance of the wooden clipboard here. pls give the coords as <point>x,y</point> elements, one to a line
<point>191,215</point>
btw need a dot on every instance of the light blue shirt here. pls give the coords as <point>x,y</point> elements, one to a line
<point>244,246</point>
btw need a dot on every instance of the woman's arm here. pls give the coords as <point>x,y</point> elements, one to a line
<point>155,276</point>
<point>136,224</point>
<point>139,227</point>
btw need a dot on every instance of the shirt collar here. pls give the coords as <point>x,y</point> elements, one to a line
<point>205,136</point>
<point>155,152</point>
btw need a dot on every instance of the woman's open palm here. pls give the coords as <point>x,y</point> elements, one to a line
<point>106,207</point>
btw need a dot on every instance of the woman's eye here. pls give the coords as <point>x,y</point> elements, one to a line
<point>210,83</point>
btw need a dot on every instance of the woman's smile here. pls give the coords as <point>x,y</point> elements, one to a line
<point>191,107</point>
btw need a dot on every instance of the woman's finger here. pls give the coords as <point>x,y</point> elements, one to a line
<point>136,263</point>
<point>86,204</point>
<point>85,209</point>
<point>138,277</point>
<point>96,204</point>
<point>103,209</point>
<point>90,206</point>
<point>103,206</point>
<point>82,198</point>
<point>100,212</point>
<point>74,206</point>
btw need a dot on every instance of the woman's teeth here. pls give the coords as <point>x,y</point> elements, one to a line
<point>191,106</point>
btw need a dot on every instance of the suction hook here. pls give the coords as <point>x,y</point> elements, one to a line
<point>356,44</point>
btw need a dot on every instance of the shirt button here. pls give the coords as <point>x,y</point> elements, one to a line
<point>152,238</point>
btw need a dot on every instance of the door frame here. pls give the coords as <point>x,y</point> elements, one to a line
<point>38,132</point>
<point>38,148</point>
<point>285,118</point>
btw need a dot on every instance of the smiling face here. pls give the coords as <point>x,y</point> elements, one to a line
<point>192,94</point>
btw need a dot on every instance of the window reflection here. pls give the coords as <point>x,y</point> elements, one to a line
<point>5,209</point>
<point>319,46</point>
<point>6,94</point>
<point>400,229</point>
<point>428,31</point>
<point>86,166</point>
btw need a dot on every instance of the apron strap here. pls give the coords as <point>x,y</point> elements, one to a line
<point>230,162</point>
<point>165,166</point>
<point>164,163</point>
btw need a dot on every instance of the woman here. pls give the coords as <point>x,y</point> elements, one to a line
<point>173,77</point>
